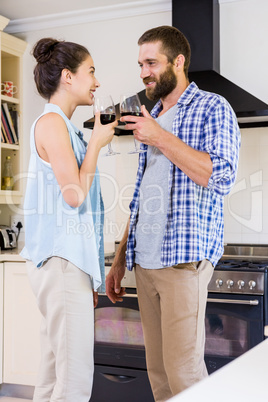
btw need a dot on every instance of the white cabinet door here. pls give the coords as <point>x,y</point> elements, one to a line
<point>21,327</point>
<point>1,320</point>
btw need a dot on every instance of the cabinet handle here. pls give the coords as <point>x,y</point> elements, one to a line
<point>118,378</point>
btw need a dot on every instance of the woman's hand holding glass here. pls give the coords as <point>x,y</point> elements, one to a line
<point>105,117</point>
<point>103,134</point>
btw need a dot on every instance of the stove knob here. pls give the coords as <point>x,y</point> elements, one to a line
<point>240,284</point>
<point>252,284</point>
<point>230,283</point>
<point>219,283</point>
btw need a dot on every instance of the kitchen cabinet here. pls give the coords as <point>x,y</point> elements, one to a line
<point>1,318</point>
<point>11,52</point>
<point>21,352</point>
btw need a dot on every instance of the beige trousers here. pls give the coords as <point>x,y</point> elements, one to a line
<point>172,304</point>
<point>64,297</point>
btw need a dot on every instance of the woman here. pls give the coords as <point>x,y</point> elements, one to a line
<point>63,221</point>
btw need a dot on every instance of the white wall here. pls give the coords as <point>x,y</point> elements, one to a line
<point>244,59</point>
<point>113,45</point>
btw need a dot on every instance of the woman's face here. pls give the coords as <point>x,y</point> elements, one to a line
<point>84,82</point>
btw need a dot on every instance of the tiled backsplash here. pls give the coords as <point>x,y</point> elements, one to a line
<point>246,207</point>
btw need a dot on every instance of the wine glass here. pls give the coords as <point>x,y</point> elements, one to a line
<point>130,105</point>
<point>105,105</point>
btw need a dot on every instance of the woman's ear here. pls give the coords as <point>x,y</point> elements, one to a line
<point>66,76</point>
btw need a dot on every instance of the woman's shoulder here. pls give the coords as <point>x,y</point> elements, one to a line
<point>50,120</point>
<point>51,128</point>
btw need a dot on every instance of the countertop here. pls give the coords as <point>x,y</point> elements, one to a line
<point>14,255</point>
<point>11,255</point>
<point>242,380</point>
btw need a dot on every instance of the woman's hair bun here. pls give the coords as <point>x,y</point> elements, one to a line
<point>43,49</point>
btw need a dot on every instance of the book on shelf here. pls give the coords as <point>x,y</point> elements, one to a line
<point>15,119</point>
<point>2,135</point>
<point>6,129</point>
<point>3,132</point>
<point>9,120</point>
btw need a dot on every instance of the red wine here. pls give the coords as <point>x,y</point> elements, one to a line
<point>107,118</point>
<point>131,114</point>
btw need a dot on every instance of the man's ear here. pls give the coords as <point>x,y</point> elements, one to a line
<point>179,61</point>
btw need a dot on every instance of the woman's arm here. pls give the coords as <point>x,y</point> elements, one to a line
<point>54,146</point>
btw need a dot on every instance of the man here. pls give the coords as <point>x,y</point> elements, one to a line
<point>175,232</point>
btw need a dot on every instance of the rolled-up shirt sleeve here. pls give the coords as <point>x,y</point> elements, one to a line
<point>222,142</point>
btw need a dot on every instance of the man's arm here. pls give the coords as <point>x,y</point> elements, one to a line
<point>113,280</point>
<point>197,165</point>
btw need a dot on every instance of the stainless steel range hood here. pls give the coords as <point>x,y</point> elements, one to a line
<point>199,22</point>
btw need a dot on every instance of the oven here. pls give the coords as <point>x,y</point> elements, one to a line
<point>237,310</point>
<point>119,354</point>
<point>236,316</point>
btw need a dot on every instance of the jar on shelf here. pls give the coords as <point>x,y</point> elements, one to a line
<point>7,177</point>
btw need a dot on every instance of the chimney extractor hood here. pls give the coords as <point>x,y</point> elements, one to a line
<point>199,22</point>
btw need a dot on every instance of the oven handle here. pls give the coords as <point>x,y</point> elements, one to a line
<point>131,295</point>
<point>230,301</point>
<point>210,300</point>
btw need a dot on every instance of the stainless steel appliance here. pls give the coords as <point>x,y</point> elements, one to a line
<point>237,308</point>
<point>7,238</point>
<point>119,355</point>
<point>236,318</point>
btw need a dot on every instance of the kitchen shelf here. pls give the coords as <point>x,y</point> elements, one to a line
<point>118,131</point>
<point>11,197</point>
<point>10,99</point>
<point>14,147</point>
<point>11,61</point>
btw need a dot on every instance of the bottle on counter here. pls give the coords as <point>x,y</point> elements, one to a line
<point>7,177</point>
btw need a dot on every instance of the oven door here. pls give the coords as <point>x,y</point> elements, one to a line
<point>118,332</point>
<point>119,354</point>
<point>234,324</point>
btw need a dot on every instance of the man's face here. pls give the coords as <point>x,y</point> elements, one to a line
<point>156,72</point>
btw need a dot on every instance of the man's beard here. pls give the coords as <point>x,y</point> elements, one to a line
<point>163,87</point>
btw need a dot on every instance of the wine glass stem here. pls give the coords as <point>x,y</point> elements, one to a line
<point>136,146</point>
<point>110,148</point>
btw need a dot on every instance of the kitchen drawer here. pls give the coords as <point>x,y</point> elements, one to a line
<point>116,384</point>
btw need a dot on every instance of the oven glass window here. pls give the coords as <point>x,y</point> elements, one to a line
<point>226,335</point>
<point>116,325</point>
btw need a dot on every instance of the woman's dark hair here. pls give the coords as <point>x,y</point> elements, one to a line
<point>52,57</point>
<point>173,43</point>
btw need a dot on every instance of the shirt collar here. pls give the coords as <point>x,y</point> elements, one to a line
<point>184,100</point>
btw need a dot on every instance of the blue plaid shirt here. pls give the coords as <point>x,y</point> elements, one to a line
<point>194,224</point>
